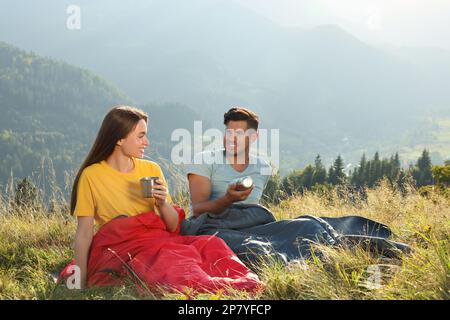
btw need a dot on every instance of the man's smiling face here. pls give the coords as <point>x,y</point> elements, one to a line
<point>238,137</point>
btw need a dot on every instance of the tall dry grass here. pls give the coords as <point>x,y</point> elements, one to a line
<point>35,244</point>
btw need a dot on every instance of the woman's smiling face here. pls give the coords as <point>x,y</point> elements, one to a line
<point>136,141</point>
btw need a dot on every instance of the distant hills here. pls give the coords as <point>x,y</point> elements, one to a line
<point>51,112</point>
<point>326,90</point>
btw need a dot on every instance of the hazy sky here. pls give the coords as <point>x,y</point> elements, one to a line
<point>397,22</point>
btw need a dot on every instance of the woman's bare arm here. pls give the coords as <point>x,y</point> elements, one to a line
<point>83,240</point>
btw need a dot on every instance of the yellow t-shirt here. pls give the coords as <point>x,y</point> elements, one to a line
<point>105,193</point>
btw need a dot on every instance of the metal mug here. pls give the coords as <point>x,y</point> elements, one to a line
<point>147,184</point>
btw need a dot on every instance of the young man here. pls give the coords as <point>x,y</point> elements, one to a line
<point>220,208</point>
<point>210,184</point>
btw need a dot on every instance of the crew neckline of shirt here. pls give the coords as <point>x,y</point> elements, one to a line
<point>246,169</point>
<point>107,166</point>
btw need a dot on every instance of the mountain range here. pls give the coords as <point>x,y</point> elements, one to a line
<point>328,92</point>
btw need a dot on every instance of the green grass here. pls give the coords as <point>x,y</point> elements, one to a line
<point>35,245</point>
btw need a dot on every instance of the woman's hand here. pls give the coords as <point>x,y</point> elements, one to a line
<point>167,212</point>
<point>159,193</point>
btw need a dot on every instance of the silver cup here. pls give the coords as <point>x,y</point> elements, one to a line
<point>147,184</point>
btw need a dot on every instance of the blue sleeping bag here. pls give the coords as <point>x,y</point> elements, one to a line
<point>253,233</point>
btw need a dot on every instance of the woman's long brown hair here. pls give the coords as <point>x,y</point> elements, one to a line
<point>117,124</point>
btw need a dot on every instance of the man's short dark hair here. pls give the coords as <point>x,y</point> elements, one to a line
<point>242,114</point>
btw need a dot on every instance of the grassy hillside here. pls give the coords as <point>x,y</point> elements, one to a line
<point>51,112</point>
<point>434,134</point>
<point>34,245</point>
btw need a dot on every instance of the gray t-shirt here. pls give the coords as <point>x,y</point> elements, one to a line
<point>221,174</point>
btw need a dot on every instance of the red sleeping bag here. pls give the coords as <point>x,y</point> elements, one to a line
<point>142,245</point>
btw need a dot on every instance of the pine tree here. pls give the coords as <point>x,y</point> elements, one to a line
<point>357,175</point>
<point>292,183</point>
<point>396,161</point>
<point>338,175</point>
<point>362,171</point>
<point>377,175</point>
<point>441,175</point>
<point>320,173</point>
<point>395,167</point>
<point>423,172</point>
<point>273,191</point>
<point>367,173</point>
<point>330,177</point>
<point>307,177</point>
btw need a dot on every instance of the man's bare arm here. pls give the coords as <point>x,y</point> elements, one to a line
<point>200,189</point>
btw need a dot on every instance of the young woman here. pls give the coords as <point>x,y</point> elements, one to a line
<point>107,186</point>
